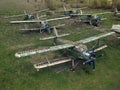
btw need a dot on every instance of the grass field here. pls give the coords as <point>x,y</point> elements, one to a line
<point>19,74</point>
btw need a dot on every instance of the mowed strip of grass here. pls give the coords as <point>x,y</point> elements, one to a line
<point>19,74</point>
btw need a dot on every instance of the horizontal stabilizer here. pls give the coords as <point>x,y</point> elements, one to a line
<point>102,19</point>
<point>52,37</point>
<point>31,29</point>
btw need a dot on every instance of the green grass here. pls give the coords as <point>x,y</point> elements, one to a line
<point>19,74</point>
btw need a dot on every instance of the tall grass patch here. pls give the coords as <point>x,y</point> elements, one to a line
<point>106,4</point>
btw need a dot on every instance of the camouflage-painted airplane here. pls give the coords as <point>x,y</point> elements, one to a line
<point>72,51</point>
<point>92,19</point>
<point>28,16</point>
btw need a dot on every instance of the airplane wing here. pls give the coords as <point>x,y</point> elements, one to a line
<point>80,14</point>
<point>94,38</point>
<point>40,11</point>
<point>89,14</point>
<point>36,29</point>
<point>38,51</point>
<point>14,16</point>
<point>30,29</point>
<point>37,21</point>
<point>25,21</point>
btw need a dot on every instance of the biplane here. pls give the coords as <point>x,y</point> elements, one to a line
<point>43,25</point>
<point>92,19</point>
<point>70,51</point>
<point>28,15</point>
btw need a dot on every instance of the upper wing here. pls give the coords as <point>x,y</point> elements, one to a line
<point>90,39</point>
<point>40,11</point>
<point>14,16</point>
<point>53,48</point>
<point>80,14</point>
<point>89,14</point>
<point>37,21</point>
<point>25,21</point>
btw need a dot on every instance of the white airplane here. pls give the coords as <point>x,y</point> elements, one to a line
<point>43,24</point>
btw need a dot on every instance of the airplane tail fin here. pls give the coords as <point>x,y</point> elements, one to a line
<point>25,12</point>
<point>55,32</point>
<point>64,8</point>
<point>81,12</point>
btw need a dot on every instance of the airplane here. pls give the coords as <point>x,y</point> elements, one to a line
<point>71,52</point>
<point>92,19</point>
<point>43,24</point>
<point>28,16</point>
